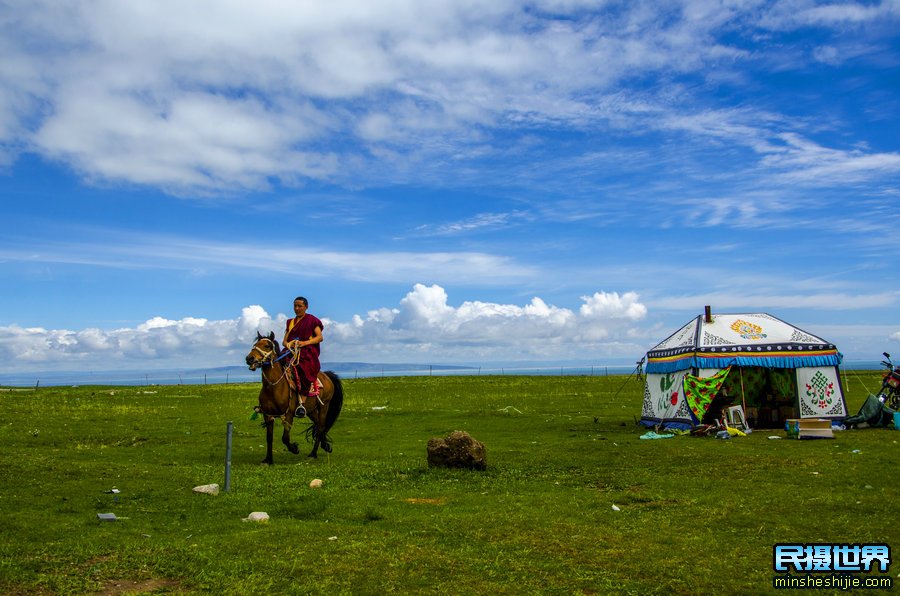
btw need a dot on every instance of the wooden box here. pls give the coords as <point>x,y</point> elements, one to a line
<point>810,428</point>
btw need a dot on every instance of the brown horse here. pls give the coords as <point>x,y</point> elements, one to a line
<point>277,399</point>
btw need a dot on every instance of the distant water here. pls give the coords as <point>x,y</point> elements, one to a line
<point>242,375</point>
<point>349,371</point>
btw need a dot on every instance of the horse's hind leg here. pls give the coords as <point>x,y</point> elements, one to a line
<point>315,449</point>
<point>317,439</point>
<point>286,437</point>
<point>326,444</point>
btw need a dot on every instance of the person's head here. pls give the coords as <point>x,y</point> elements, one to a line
<point>300,305</point>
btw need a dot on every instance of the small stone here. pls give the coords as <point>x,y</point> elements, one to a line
<point>258,516</point>
<point>316,483</point>
<point>207,489</point>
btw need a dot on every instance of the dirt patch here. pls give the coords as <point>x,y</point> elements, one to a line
<point>441,501</point>
<point>150,586</point>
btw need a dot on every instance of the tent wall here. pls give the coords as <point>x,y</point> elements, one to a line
<point>664,401</point>
<point>813,392</point>
<point>820,393</point>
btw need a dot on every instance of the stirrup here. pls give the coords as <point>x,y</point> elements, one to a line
<point>300,412</point>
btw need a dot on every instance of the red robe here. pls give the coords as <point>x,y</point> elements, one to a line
<point>302,330</point>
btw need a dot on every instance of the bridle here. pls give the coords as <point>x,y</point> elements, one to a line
<point>267,358</point>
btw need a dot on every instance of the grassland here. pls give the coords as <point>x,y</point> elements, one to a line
<point>695,515</point>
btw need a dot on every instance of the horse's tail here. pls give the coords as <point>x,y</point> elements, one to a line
<point>336,402</point>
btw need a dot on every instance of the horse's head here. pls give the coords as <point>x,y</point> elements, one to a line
<point>263,352</point>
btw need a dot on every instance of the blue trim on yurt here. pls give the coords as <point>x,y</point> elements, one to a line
<point>724,362</point>
<point>668,367</point>
<point>674,423</point>
<point>767,362</point>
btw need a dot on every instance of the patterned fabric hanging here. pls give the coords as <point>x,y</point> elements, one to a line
<point>700,391</point>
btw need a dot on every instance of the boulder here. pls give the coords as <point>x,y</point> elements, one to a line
<point>457,450</point>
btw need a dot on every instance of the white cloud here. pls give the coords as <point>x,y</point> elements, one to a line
<point>613,306</point>
<point>836,301</point>
<point>219,97</point>
<point>134,250</point>
<point>157,341</point>
<point>424,326</point>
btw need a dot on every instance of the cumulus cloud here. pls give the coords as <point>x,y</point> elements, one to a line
<point>158,341</point>
<point>424,326</point>
<point>427,325</point>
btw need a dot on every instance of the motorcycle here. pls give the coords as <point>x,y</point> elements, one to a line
<point>889,394</point>
<point>878,410</point>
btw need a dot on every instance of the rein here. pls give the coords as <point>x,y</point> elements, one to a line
<point>268,359</point>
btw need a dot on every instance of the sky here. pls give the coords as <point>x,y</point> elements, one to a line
<point>447,182</point>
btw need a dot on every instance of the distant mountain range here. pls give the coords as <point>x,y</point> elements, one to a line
<point>358,366</point>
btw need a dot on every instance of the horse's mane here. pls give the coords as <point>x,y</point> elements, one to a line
<point>271,338</point>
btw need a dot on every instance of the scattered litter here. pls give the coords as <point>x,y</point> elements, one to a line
<point>508,408</point>
<point>111,517</point>
<point>856,451</point>
<point>814,473</point>
<point>149,392</point>
<point>723,434</point>
<point>653,435</point>
<point>774,437</point>
<point>616,508</point>
<point>258,516</point>
<point>316,483</point>
<point>207,489</point>
<point>869,487</point>
<point>332,537</point>
<point>378,408</point>
<point>112,491</point>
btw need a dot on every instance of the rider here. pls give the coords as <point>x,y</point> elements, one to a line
<point>302,335</point>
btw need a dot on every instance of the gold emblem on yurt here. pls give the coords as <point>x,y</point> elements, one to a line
<point>748,330</point>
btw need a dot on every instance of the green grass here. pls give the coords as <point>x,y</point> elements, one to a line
<point>697,515</point>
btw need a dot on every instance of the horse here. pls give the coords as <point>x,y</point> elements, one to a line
<point>277,399</point>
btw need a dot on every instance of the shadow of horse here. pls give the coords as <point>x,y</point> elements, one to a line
<point>277,399</point>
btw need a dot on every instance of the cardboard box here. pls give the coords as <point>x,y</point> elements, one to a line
<point>811,428</point>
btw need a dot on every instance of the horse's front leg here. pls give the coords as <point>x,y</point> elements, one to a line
<point>270,429</point>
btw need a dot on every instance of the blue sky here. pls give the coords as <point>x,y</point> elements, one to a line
<point>447,182</point>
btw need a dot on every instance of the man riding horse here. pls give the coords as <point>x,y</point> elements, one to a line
<point>302,336</point>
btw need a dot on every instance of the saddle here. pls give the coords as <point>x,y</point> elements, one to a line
<point>296,384</point>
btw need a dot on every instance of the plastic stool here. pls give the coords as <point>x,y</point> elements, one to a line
<point>734,416</point>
